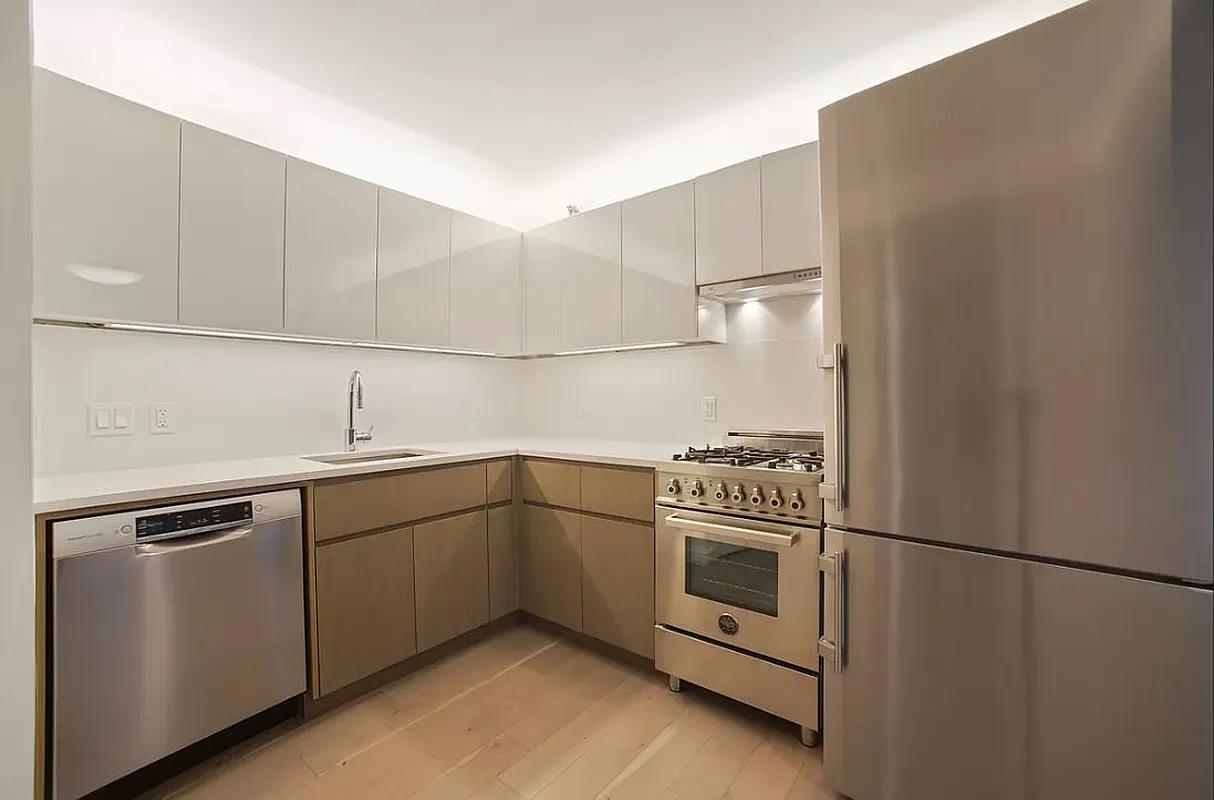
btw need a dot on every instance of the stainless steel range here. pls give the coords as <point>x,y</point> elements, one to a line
<point>737,583</point>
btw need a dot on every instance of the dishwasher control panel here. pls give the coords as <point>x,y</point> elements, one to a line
<point>75,537</point>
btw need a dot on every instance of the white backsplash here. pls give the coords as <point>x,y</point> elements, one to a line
<point>237,399</point>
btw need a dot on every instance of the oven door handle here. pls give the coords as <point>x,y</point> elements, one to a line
<point>746,534</point>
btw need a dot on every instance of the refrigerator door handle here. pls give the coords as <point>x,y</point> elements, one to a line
<point>834,566</point>
<point>836,491</point>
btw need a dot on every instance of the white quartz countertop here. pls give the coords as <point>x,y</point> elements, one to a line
<point>70,492</point>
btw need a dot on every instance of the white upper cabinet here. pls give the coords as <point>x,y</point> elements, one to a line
<point>105,181</point>
<point>542,259</point>
<point>414,287</point>
<point>659,260</point>
<point>729,227</point>
<point>486,286</point>
<point>330,253</point>
<point>232,217</point>
<point>590,292</point>
<point>792,227</point>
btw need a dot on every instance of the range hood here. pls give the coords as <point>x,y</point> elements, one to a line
<point>801,281</point>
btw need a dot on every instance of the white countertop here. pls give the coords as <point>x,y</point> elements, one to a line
<point>83,490</point>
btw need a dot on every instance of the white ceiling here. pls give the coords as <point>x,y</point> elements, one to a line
<point>510,109</point>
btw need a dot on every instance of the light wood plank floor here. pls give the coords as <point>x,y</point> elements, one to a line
<point>523,714</point>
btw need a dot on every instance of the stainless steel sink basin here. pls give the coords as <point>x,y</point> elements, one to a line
<point>374,455</point>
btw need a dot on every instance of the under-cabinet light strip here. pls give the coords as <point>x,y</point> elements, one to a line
<point>617,348</point>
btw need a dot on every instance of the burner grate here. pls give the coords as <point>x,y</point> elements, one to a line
<point>744,456</point>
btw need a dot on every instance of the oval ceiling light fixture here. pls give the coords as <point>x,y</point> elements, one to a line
<point>108,276</point>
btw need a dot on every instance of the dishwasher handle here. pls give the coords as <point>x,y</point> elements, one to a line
<point>213,537</point>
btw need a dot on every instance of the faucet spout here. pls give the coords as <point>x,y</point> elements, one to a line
<point>354,399</point>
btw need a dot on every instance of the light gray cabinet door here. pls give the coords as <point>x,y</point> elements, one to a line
<point>414,282</point>
<point>105,182</point>
<point>542,254</point>
<point>590,293</point>
<point>792,226</point>
<point>232,217</point>
<point>486,286</point>
<point>330,253</point>
<point>659,262</point>
<point>729,228</point>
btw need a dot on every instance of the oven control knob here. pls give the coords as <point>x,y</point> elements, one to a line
<point>795,503</point>
<point>756,496</point>
<point>696,489</point>
<point>737,496</point>
<point>721,493</point>
<point>672,488</point>
<point>775,501</point>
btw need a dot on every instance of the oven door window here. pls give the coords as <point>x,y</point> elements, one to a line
<point>744,577</point>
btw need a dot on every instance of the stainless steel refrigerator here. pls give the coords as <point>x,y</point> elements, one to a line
<point>1017,270</point>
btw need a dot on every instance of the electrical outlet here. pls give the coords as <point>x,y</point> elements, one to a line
<point>162,418</point>
<point>708,409</point>
<point>110,419</point>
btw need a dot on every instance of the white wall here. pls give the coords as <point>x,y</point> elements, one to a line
<point>16,530</point>
<point>764,378</point>
<point>239,399</point>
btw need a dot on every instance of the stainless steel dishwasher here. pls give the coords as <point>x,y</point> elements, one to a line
<point>170,624</point>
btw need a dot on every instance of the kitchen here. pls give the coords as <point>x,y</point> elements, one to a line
<point>794,463</point>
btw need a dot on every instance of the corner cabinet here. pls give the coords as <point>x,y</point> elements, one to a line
<point>413,285</point>
<point>543,261</point>
<point>486,286</point>
<point>330,253</point>
<point>232,222</point>
<point>105,189</point>
<point>658,252</point>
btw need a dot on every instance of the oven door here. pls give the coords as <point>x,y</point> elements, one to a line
<point>747,583</point>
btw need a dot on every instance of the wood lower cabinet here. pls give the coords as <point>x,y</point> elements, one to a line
<point>618,492</point>
<point>550,565</point>
<point>503,561</point>
<point>617,583</point>
<point>451,569</point>
<point>551,483</point>
<point>365,609</point>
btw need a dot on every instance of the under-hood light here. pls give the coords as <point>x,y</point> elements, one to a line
<point>617,348</point>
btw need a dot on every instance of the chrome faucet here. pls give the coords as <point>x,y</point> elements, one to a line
<point>354,397</point>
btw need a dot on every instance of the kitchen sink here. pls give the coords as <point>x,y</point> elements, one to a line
<point>376,455</point>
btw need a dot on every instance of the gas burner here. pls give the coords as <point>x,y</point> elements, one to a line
<point>744,456</point>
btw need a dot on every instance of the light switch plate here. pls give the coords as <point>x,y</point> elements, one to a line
<point>110,419</point>
<point>708,409</point>
<point>162,418</point>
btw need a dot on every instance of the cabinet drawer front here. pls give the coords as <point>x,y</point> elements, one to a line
<point>364,605</point>
<point>550,565</point>
<point>554,483</point>
<point>503,561</point>
<point>618,492</point>
<point>499,477</point>
<point>451,573</point>
<point>365,504</point>
<point>617,583</point>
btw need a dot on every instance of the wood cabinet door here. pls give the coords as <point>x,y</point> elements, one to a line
<point>364,606</point>
<point>105,191</point>
<point>792,225</point>
<point>413,297</point>
<point>330,253</point>
<point>232,217</point>
<point>729,236</point>
<point>486,286</point>
<point>617,583</point>
<point>550,565</point>
<point>618,492</point>
<point>503,561</point>
<point>590,292</point>
<point>552,483</point>
<point>451,573</point>
<point>499,481</point>
<point>659,263</point>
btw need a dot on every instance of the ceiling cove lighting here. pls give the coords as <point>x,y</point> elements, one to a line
<point>214,333</point>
